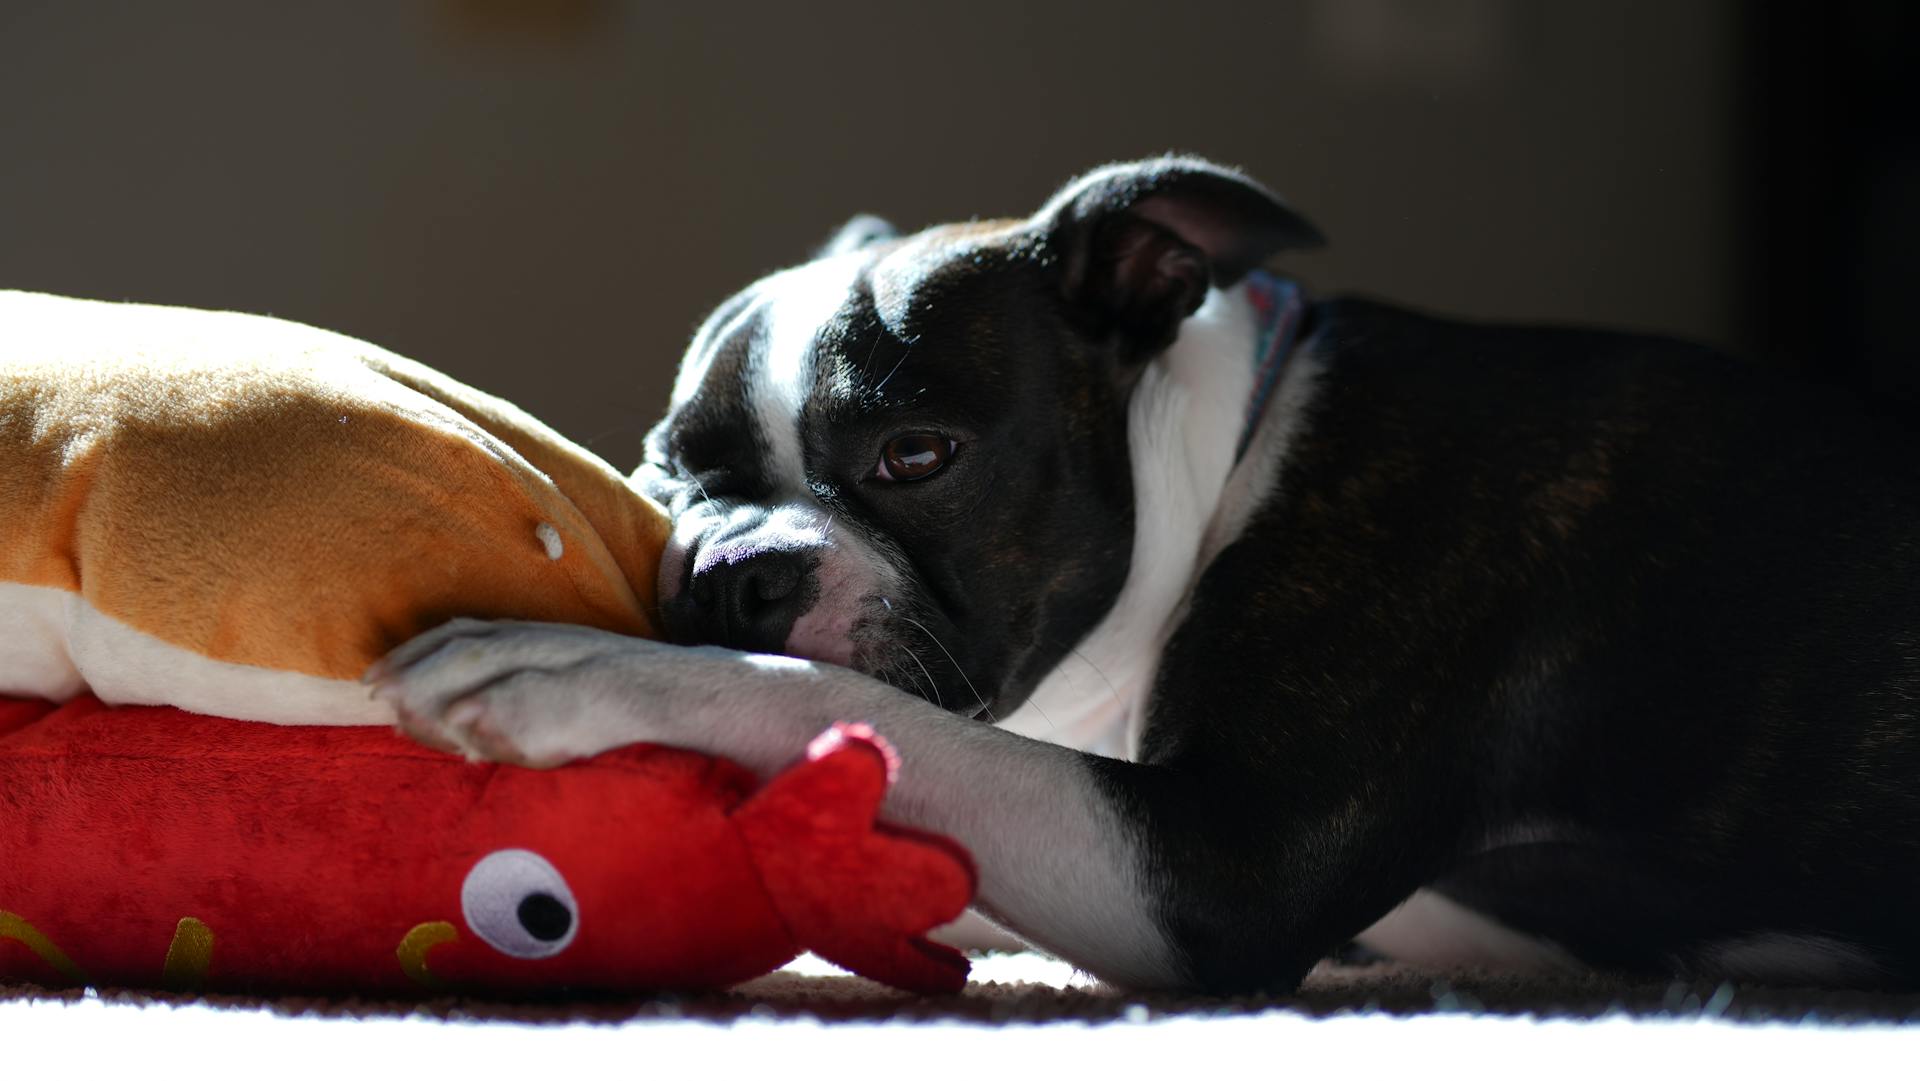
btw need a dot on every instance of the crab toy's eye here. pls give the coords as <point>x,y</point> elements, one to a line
<point>913,456</point>
<point>519,904</point>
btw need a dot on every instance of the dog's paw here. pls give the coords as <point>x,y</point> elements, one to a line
<point>533,694</point>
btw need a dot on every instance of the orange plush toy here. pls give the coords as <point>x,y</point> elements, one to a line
<point>237,515</point>
<point>209,521</point>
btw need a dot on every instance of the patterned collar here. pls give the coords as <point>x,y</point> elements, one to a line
<point>1281,306</point>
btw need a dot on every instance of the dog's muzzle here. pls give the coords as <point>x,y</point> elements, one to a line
<point>744,591</point>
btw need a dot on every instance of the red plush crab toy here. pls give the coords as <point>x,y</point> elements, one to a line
<point>210,525</point>
<point>154,848</point>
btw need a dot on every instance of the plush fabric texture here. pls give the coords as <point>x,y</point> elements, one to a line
<point>148,847</point>
<point>828,866</point>
<point>231,494</point>
<point>206,515</point>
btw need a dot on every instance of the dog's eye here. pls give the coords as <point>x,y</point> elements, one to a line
<point>914,456</point>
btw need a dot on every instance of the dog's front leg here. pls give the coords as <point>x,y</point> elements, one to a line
<point>1216,863</point>
<point>1059,858</point>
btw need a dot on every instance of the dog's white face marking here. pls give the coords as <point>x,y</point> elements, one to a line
<point>790,309</point>
<point>751,530</point>
<point>798,303</point>
<point>847,575</point>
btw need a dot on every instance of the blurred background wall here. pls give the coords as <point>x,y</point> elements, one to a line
<point>543,198</point>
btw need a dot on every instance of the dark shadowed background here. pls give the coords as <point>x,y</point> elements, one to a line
<point>544,198</point>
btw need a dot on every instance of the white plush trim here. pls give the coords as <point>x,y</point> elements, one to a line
<point>54,645</point>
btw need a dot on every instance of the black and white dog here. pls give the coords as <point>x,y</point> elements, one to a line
<point>1224,626</point>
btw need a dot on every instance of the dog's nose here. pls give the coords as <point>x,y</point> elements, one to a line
<point>745,598</point>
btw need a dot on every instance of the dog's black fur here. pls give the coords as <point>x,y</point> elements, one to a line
<point>1656,607</point>
<point>1613,639</point>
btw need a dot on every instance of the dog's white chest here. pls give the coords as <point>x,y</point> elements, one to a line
<point>1191,499</point>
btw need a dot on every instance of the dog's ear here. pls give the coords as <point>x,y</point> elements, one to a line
<point>1137,245</point>
<point>860,231</point>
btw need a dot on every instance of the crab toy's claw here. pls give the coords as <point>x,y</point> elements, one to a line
<point>858,893</point>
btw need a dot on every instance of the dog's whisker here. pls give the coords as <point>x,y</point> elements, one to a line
<point>678,467</point>
<point>617,429</point>
<point>971,689</point>
<point>1035,703</point>
<point>896,367</point>
<point>917,686</point>
<point>931,685</point>
<point>1111,689</point>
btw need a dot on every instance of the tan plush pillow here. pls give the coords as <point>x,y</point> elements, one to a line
<point>237,515</point>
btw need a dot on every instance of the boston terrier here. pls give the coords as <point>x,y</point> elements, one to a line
<point>1224,623</point>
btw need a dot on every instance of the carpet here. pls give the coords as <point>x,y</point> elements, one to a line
<point>1014,989</point>
<point>1023,1016</point>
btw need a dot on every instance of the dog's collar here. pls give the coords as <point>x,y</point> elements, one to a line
<point>1281,306</point>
